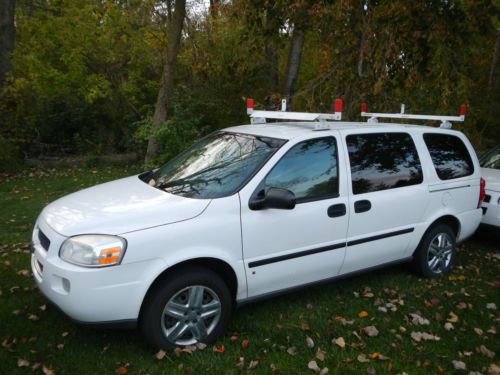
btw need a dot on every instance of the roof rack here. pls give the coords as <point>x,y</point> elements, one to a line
<point>445,120</point>
<point>261,117</point>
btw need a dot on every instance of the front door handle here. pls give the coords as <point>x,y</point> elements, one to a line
<point>337,210</point>
<point>362,206</point>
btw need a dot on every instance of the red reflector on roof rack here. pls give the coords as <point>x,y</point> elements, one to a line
<point>363,107</point>
<point>463,108</point>
<point>337,106</point>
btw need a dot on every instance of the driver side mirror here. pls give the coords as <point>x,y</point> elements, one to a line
<point>273,198</point>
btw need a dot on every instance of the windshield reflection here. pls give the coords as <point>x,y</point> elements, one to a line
<point>216,166</point>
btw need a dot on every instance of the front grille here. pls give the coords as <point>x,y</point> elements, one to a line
<point>44,240</point>
<point>487,198</point>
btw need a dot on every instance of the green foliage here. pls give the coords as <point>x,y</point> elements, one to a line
<point>86,73</point>
<point>9,156</point>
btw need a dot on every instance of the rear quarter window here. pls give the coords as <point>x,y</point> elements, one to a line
<point>449,155</point>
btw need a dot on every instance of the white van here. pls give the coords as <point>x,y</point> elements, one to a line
<point>251,211</point>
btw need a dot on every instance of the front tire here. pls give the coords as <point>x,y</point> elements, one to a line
<point>436,253</point>
<point>191,305</point>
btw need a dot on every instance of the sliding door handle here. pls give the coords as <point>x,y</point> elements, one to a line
<point>362,206</point>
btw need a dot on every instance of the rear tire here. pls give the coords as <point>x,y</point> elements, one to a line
<point>192,305</point>
<point>436,252</point>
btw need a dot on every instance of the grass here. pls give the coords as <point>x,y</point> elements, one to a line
<point>35,334</point>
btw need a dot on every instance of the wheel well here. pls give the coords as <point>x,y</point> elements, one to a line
<point>221,268</point>
<point>449,220</point>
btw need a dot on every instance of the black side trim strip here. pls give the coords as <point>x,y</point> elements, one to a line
<point>380,236</point>
<point>299,254</point>
<point>280,258</point>
<point>320,282</point>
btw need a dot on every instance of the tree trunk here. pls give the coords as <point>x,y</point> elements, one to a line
<point>293,65</point>
<point>271,33</point>
<point>174,33</point>
<point>7,34</point>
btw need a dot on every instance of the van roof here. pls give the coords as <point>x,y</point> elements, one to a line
<point>291,130</point>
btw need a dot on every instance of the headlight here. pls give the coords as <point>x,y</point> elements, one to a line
<point>93,250</point>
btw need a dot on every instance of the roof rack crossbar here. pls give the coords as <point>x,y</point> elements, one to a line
<point>260,117</point>
<point>445,120</point>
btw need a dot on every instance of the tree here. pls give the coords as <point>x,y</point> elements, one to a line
<point>7,34</point>
<point>175,20</point>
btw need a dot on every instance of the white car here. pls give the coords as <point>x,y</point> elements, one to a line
<point>490,169</point>
<point>252,211</point>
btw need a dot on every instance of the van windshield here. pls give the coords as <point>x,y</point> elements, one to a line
<point>217,166</point>
<point>491,159</point>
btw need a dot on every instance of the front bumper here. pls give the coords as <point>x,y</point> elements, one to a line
<point>89,295</point>
<point>491,209</point>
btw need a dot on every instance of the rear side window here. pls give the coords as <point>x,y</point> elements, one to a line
<point>382,161</point>
<point>450,156</point>
<point>309,169</point>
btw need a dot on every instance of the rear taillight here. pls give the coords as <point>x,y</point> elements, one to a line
<point>482,192</point>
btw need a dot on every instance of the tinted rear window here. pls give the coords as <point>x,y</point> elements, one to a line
<point>450,156</point>
<point>381,161</point>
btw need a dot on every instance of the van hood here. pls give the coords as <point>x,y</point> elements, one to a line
<point>117,207</point>
<point>492,178</point>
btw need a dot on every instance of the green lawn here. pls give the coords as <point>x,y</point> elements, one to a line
<point>37,338</point>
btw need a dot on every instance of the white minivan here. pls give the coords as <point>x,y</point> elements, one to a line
<point>251,211</point>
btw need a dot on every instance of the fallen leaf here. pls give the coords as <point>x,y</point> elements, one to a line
<point>244,344</point>
<point>33,317</point>
<point>161,354</point>
<point>305,327</point>
<point>459,365</point>
<point>320,354</point>
<point>122,370</point>
<point>292,350</point>
<point>253,364</point>
<point>23,273</point>
<point>22,363</point>
<point>219,349</point>
<point>461,306</point>
<point>362,358</point>
<point>494,369</point>
<point>273,367</point>
<point>453,318</point>
<point>363,314</point>
<point>60,346</point>
<point>324,371</point>
<point>371,371</point>
<point>309,342</point>
<point>371,331</point>
<point>418,320</point>
<point>448,326</point>
<point>313,366</point>
<point>340,342</point>
<point>491,306</point>
<point>479,331</point>
<point>201,346</point>
<point>456,277</point>
<point>485,351</point>
<point>47,370</point>
<point>419,336</point>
